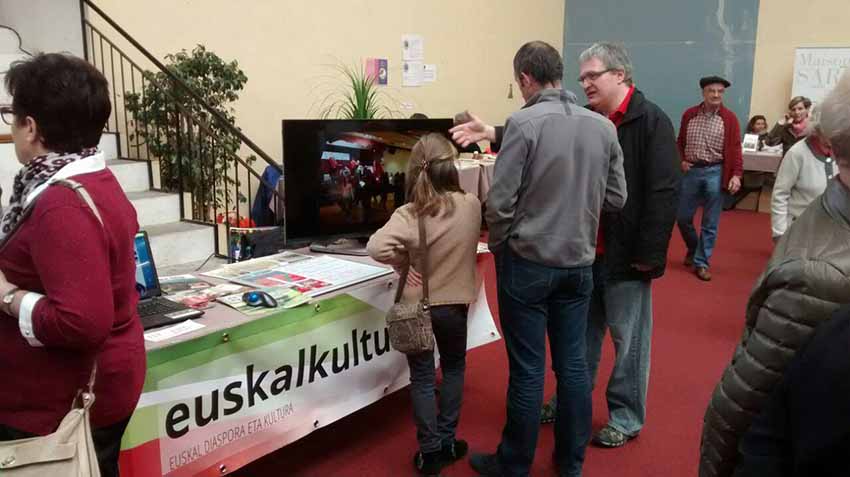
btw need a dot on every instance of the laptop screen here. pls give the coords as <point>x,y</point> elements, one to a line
<point>147,283</point>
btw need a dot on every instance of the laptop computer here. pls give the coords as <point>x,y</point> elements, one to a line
<point>155,310</point>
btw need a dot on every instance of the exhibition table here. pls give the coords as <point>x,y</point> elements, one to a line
<point>761,161</point>
<point>476,176</point>
<point>220,397</point>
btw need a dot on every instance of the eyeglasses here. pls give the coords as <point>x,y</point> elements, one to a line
<point>593,75</point>
<point>8,114</point>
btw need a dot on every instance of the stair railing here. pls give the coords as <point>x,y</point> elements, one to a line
<point>223,193</point>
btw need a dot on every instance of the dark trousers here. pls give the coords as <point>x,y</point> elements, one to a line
<point>536,300</point>
<point>107,444</point>
<point>435,427</point>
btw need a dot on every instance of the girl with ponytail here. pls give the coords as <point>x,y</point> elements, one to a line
<point>452,227</point>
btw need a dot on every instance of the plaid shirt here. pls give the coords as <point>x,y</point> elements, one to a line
<point>705,138</point>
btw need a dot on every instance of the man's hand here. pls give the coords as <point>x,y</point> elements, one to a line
<point>734,185</point>
<point>686,166</point>
<point>472,131</point>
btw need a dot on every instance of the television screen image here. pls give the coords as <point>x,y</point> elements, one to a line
<point>345,178</point>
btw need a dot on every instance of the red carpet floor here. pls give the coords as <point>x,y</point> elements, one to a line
<point>697,325</point>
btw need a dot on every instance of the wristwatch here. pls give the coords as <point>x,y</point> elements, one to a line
<point>8,298</point>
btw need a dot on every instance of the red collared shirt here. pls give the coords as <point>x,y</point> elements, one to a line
<point>618,114</point>
<point>616,117</point>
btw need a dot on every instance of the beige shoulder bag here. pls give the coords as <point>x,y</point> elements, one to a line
<point>409,325</point>
<point>69,451</point>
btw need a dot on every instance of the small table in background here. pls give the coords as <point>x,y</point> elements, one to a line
<point>761,161</point>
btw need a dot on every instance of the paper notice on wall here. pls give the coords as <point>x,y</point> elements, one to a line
<point>413,47</point>
<point>429,73</point>
<point>412,73</point>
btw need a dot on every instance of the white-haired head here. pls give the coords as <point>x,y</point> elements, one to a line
<point>813,126</point>
<point>835,119</point>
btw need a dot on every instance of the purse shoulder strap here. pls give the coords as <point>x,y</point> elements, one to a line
<point>423,243</point>
<point>84,195</point>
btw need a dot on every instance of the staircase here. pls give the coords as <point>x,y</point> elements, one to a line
<point>181,230</point>
<point>173,241</point>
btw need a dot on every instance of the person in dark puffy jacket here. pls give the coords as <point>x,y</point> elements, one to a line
<point>806,280</point>
<point>804,429</point>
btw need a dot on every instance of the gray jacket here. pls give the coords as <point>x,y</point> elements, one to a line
<point>558,167</point>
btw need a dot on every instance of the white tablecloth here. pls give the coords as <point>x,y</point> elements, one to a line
<point>476,176</point>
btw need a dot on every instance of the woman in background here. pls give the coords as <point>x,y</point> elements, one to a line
<point>452,226</point>
<point>801,178</point>
<point>793,128</point>
<point>68,282</point>
<point>757,125</point>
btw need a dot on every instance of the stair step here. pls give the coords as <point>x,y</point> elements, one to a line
<point>180,242</point>
<point>132,175</point>
<point>154,208</point>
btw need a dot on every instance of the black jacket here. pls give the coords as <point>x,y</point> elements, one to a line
<point>804,429</point>
<point>640,233</point>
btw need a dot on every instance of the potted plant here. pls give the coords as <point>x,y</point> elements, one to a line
<point>354,94</point>
<point>194,150</point>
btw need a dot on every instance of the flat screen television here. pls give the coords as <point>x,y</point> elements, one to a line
<point>344,178</point>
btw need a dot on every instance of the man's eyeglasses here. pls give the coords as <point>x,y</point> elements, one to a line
<point>592,75</point>
<point>8,114</point>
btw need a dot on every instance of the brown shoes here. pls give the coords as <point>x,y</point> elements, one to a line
<point>703,274</point>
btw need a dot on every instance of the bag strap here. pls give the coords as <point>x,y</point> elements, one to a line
<point>84,195</point>
<point>424,265</point>
<point>423,243</point>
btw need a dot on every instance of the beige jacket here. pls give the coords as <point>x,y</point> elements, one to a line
<point>452,241</point>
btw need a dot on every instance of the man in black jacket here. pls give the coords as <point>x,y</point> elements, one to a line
<point>634,240</point>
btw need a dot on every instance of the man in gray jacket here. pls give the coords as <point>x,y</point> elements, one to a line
<point>559,166</point>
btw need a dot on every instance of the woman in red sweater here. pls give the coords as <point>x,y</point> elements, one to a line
<point>67,282</point>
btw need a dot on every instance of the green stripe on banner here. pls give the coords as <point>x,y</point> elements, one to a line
<point>143,427</point>
<point>172,360</point>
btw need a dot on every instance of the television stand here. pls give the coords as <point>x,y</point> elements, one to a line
<point>342,246</point>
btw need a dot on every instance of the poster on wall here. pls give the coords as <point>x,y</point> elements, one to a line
<point>817,70</point>
<point>376,68</point>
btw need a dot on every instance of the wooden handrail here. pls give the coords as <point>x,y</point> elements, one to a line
<point>5,138</point>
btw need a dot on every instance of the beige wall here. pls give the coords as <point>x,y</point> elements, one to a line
<point>784,25</point>
<point>283,46</point>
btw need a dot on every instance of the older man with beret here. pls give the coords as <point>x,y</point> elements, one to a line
<point>710,148</point>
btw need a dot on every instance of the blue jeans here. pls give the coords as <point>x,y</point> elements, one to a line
<point>624,308</point>
<point>700,186</point>
<point>435,425</point>
<point>535,299</point>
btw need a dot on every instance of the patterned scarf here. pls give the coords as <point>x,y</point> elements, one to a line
<point>33,174</point>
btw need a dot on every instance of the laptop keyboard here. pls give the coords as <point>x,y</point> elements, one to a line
<point>158,306</point>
